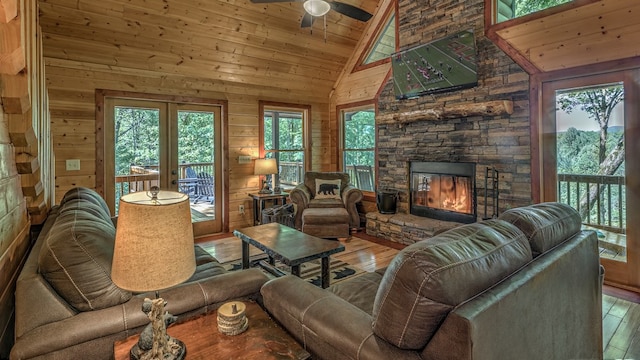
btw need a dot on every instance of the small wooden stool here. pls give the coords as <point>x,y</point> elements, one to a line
<point>326,222</point>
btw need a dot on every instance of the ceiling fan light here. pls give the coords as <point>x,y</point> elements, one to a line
<point>316,7</point>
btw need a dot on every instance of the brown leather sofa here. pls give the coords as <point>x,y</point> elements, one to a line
<point>524,286</point>
<point>304,196</point>
<point>67,307</point>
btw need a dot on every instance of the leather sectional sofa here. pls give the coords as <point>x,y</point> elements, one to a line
<point>524,286</point>
<point>67,307</point>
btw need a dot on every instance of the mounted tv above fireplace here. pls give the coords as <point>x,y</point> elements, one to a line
<point>443,65</point>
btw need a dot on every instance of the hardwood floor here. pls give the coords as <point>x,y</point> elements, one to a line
<point>620,309</point>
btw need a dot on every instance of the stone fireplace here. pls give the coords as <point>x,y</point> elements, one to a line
<point>487,125</point>
<point>443,191</point>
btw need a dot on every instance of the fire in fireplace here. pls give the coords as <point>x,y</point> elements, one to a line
<point>444,191</point>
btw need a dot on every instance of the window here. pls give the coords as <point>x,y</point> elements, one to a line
<point>510,9</point>
<point>385,44</point>
<point>358,131</point>
<point>283,129</point>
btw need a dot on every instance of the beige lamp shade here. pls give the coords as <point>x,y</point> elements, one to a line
<point>154,242</point>
<point>265,167</point>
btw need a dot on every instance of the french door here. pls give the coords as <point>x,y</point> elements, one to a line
<point>174,146</point>
<point>590,144</point>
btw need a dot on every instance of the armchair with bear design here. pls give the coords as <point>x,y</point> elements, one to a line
<point>326,190</point>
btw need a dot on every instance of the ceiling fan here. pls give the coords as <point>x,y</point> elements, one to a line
<point>317,8</point>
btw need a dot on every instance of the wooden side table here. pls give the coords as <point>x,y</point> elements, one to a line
<point>264,339</point>
<point>259,200</point>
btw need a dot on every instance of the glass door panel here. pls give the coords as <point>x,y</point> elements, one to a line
<point>198,165</point>
<point>175,147</point>
<point>135,161</point>
<point>589,129</point>
<point>591,162</point>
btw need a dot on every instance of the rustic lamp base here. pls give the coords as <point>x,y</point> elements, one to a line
<point>179,353</point>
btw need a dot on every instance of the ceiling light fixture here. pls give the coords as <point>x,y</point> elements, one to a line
<point>316,7</point>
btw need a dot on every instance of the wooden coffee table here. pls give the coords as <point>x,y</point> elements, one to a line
<point>264,339</point>
<point>289,246</point>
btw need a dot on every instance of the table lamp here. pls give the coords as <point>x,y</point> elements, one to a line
<point>153,251</point>
<point>265,167</point>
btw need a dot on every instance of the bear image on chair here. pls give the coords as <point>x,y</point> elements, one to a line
<point>326,204</point>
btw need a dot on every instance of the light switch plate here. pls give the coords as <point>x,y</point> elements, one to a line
<point>73,164</point>
<point>244,159</point>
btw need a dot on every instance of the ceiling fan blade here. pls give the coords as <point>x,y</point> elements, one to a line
<point>307,20</point>
<point>350,11</point>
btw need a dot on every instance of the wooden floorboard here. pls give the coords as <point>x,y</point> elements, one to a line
<point>620,308</point>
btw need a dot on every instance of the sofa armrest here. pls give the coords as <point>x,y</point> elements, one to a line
<point>300,197</point>
<point>351,195</point>
<point>186,301</point>
<point>325,323</point>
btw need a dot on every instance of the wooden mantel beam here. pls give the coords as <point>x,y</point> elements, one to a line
<point>487,108</point>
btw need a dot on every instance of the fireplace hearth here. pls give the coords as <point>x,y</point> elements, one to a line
<point>444,191</point>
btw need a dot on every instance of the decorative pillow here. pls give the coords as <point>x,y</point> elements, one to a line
<point>327,189</point>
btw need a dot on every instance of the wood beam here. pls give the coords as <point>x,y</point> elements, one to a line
<point>15,93</point>
<point>8,10</point>
<point>488,108</point>
<point>26,163</point>
<point>12,58</point>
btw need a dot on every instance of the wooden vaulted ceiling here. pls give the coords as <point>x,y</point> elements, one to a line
<point>577,33</point>
<point>231,41</point>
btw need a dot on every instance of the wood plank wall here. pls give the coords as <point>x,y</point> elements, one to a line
<point>21,85</point>
<point>356,87</point>
<point>72,86</point>
<point>239,52</point>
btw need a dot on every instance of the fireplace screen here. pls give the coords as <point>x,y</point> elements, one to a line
<point>444,191</point>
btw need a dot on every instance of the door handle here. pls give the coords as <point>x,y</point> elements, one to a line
<point>174,172</point>
<point>173,182</point>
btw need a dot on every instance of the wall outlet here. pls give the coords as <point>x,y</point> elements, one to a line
<point>241,209</point>
<point>73,164</point>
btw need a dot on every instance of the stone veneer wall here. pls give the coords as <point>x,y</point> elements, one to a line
<point>502,142</point>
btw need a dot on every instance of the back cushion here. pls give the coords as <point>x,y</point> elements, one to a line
<point>76,260</point>
<point>429,278</point>
<point>546,225</point>
<point>311,176</point>
<point>85,198</point>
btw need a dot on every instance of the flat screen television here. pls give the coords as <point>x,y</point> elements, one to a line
<point>442,65</point>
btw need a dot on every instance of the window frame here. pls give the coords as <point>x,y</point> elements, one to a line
<point>340,111</point>
<point>267,106</point>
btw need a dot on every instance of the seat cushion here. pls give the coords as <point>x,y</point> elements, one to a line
<point>326,203</point>
<point>429,278</point>
<point>325,216</point>
<point>359,291</point>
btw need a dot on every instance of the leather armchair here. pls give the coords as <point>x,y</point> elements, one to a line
<point>303,196</point>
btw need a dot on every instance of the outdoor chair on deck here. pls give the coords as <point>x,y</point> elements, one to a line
<point>205,188</point>
<point>189,184</point>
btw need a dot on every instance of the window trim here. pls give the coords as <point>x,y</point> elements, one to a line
<point>390,11</point>
<point>340,110</point>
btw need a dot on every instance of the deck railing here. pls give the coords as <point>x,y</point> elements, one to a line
<point>142,178</point>
<point>291,173</point>
<point>362,177</point>
<point>600,199</point>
